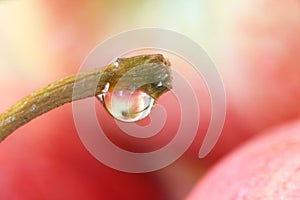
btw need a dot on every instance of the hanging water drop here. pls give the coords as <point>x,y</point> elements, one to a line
<point>127,105</point>
<point>131,86</point>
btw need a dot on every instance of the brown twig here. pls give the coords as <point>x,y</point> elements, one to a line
<point>150,73</point>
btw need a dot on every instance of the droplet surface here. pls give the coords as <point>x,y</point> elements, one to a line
<point>127,105</point>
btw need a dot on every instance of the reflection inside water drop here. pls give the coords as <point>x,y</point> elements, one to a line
<point>127,105</point>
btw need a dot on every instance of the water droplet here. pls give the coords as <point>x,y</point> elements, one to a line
<point>33,107</point>
<point>116,64</point>
<point>127,105</point>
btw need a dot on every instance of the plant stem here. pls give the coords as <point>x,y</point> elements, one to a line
<point>88,84</point>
